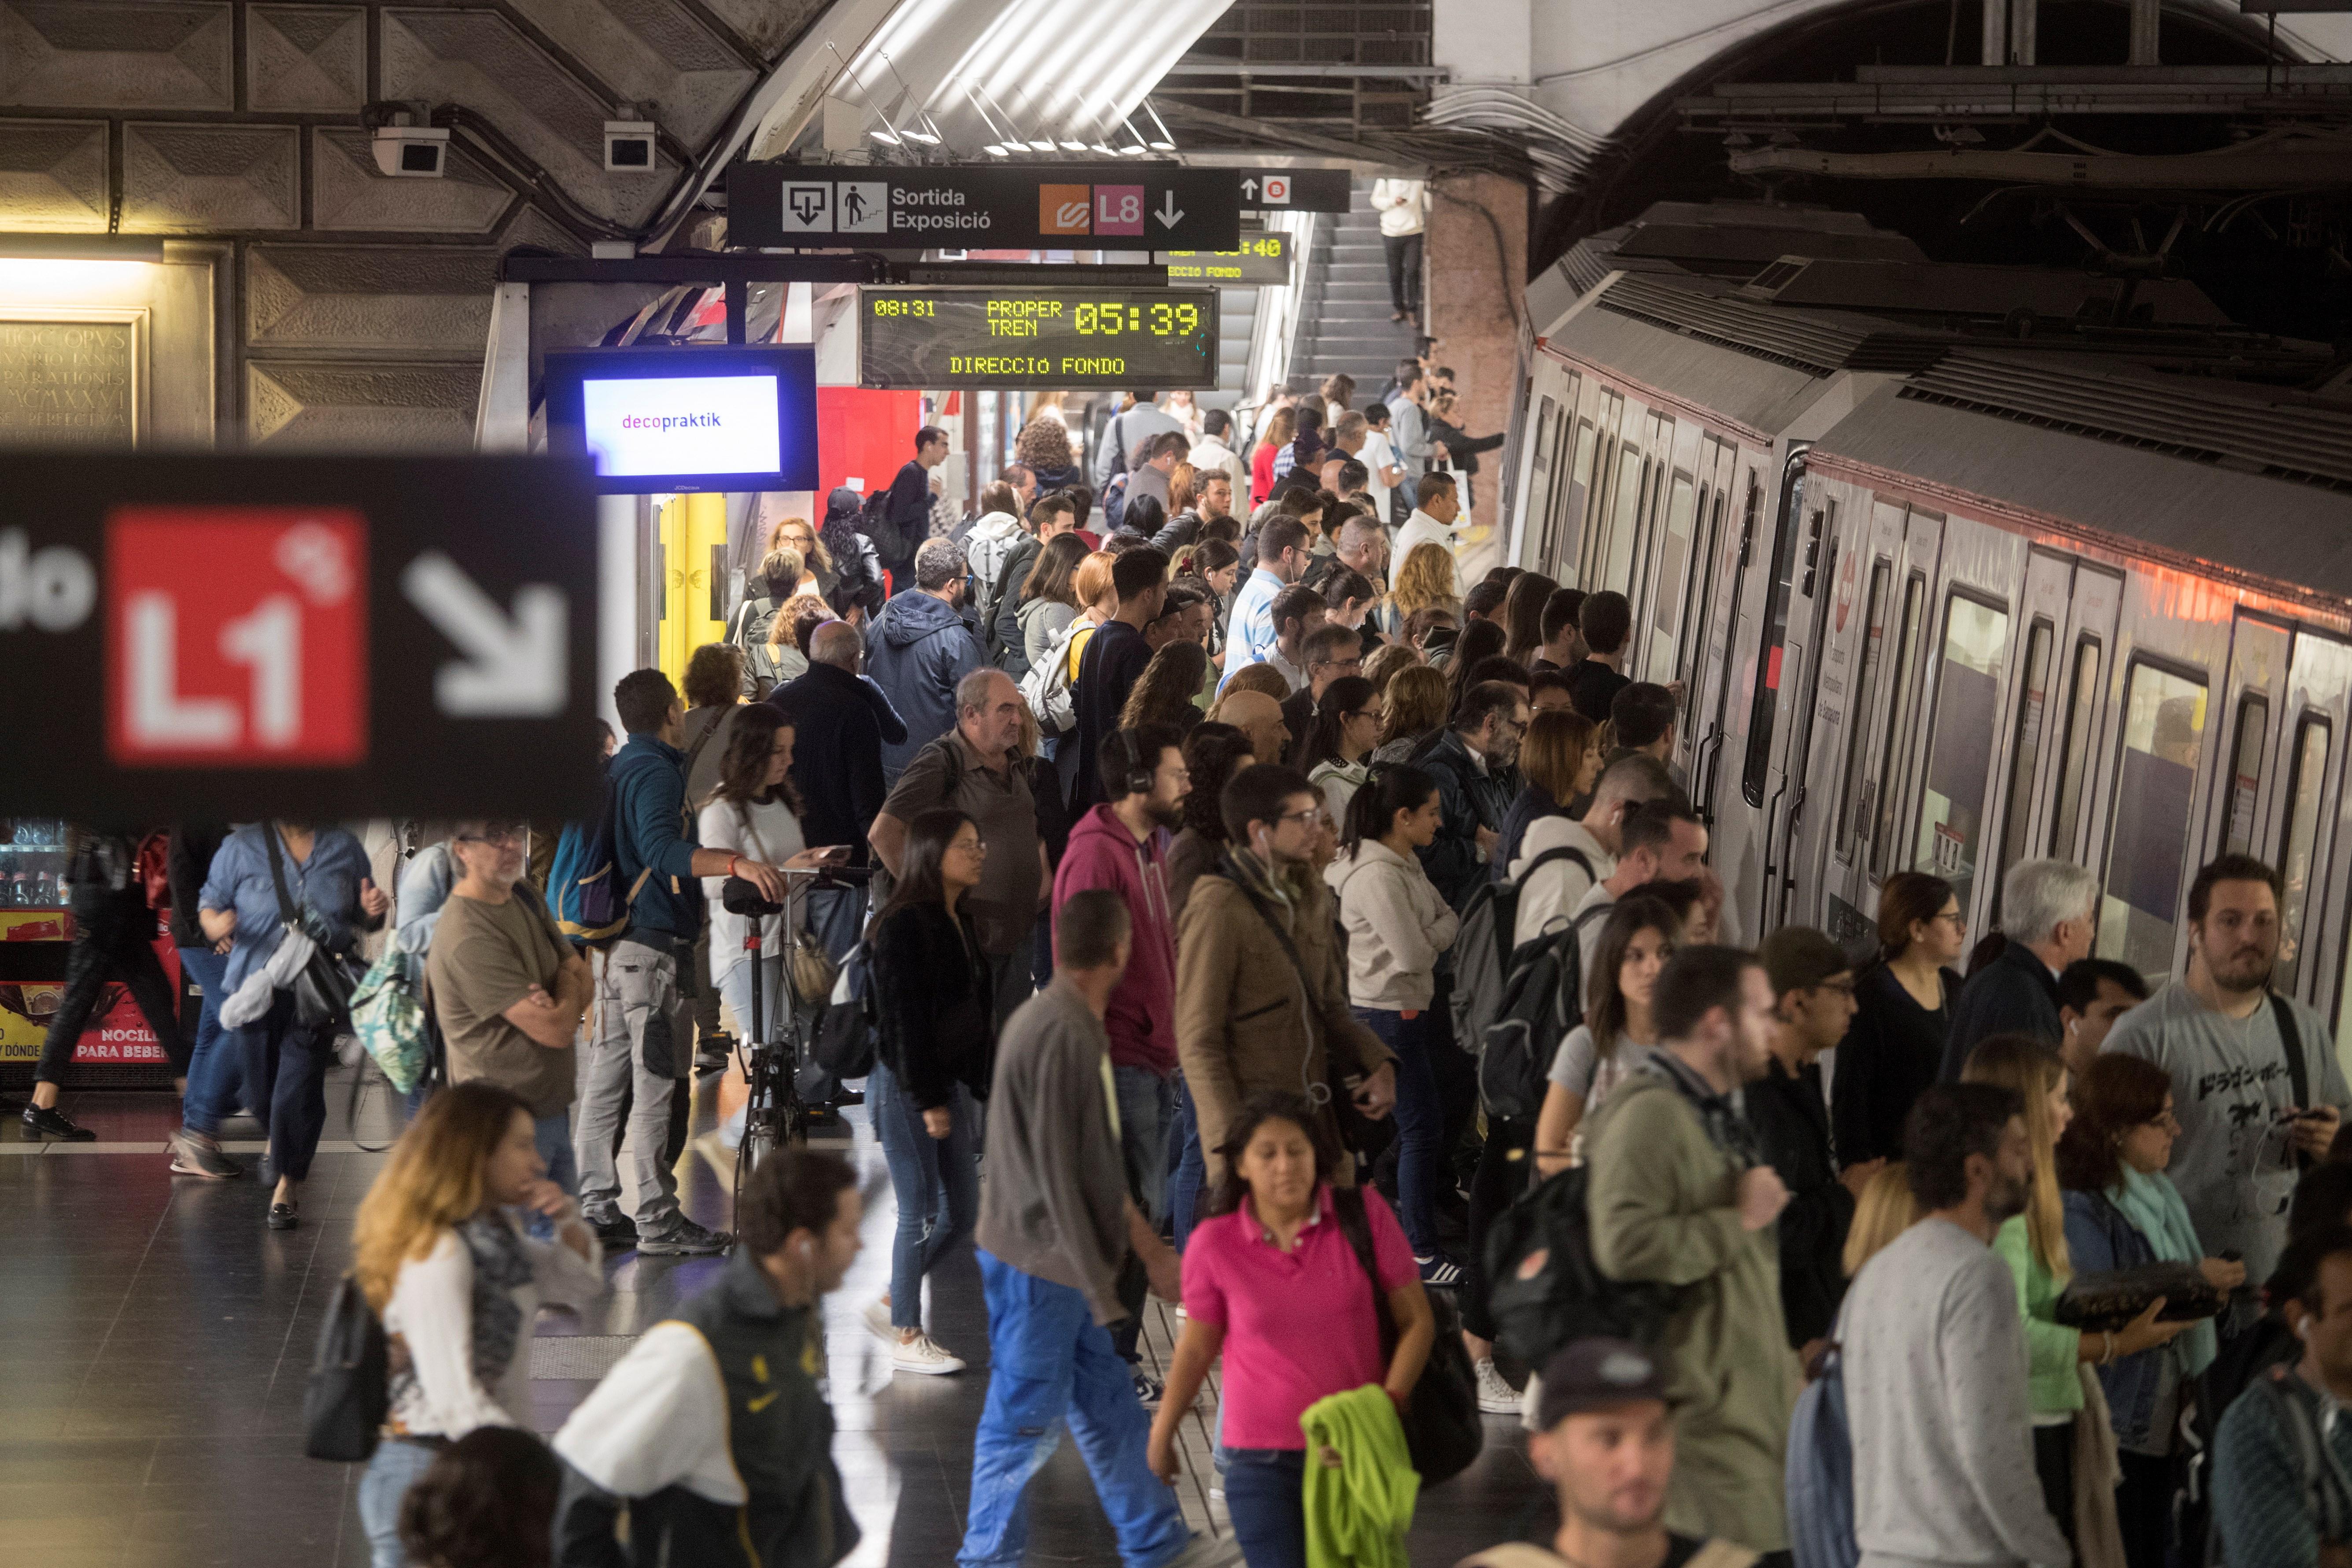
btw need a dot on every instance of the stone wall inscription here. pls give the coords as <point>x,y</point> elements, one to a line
<point>68,384</point>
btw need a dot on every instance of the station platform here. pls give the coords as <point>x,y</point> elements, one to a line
<point>155,1337</point>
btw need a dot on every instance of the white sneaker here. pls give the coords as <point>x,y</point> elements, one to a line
<point>922,1354</point>
<point>877,1314</point>
<point>1495,1397</point>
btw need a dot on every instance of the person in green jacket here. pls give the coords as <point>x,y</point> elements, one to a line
<point>2034,1244</point>
<point>1682,1196</point>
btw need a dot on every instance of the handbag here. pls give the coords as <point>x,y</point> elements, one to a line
<point>2109,1301</point>
<point>322,991</point>
<point>349,1392</point>
<point>844,1044</point>
<point>1442,1428</point>
<point>805,959</point>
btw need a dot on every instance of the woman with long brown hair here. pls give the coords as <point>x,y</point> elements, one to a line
<point>1045,445</point>
<point>1903,1017</point>
<point>2034,1244</point>
<point>1523,608</point>
<point>440,1257</point>
<point>1167,693</point>
<point>2122,1212</point>
<point>935,1049</point>
<point>1049,599</point>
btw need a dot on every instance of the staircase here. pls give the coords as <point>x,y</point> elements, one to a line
<point>1344,326</point>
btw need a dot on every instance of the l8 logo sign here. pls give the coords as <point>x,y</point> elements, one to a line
<point>236,635</point>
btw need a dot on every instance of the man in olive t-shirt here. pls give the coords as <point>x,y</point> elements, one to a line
<point>507,991</point>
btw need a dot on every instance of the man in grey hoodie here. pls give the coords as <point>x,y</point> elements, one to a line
<point>1056,1230</point>
<point>918,647</point>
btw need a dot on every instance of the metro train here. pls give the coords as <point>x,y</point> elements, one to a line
<point>1960,566</point>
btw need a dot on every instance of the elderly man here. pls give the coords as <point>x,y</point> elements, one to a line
<point>1329,653</point>
<point>1259,717</point>
<point>2049,912</point>
<point>919,647</point>
<point>1162,454</point>
<point>841,723</point>
<point>972,769</point>
<point>1435,519</point>
<point>1361,547</point>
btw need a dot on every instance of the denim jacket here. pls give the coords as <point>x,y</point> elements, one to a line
<point>2098,1238</point>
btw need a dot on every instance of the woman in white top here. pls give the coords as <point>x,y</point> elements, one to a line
<point>1339,741</point>
<point>1398,924</point>
<point>1615,1037</point>
<point>753,813</point>
<point>440,1255</point>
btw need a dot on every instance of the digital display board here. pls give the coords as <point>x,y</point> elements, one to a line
<point>1159,338</point>
<point>1261,258</point>
<point>656,420</point>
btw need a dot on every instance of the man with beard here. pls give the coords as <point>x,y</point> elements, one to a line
<point>1118,846</point>
<point>2255,1083</point>
<point>1604,1438</point>
<point>1934,1353</point>
<point>1682,1196</point>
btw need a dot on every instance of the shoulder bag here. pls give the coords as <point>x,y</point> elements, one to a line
<point>1442,1428</point>
<point>322,991</point>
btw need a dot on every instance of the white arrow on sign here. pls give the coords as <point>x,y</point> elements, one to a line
<point>1249,187</point>
<point>1170,213</point>
<point>514,666</point>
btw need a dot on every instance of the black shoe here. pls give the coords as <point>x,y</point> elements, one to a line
<point>284,1216</point>
<point>48,1121</point>
<point>617,1232</point>
<point>686,1240</point>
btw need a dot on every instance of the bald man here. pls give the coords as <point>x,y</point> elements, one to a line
<point>841,720</point>
<point>1259,717</point>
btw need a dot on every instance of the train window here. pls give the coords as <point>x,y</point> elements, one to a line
<point>1702,600</point>
<point>2303,814</point>
<point>1665,612</point>
<point>1572,511</point>
<point>2024,753</point>
<point>2075,763</point>
<point>2147,838</point>
<point>2246,771</point>
<point>1542,460</point>
<point>1860,703</point>
<point>1960,738</point>
<point>1906,665</point>
<point>1764,702</point>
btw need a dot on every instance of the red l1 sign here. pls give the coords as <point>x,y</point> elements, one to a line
<point>236,636</point>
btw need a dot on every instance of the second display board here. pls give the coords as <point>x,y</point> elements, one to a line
<point>1163,339</point>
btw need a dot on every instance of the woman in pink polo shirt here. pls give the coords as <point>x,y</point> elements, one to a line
<point>1272,1281</point>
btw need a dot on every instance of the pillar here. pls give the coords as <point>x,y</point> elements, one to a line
<point>1477,256</point>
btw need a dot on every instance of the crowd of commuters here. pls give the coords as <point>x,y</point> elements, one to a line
<point>1171,858</point>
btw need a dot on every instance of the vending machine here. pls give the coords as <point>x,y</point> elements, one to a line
<point>116,1047</point>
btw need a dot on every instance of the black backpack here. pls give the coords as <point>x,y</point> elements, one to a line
<point>843,1044</point>
<point>874,522</point>
<point>1545,1289</point>
<point>1483,958</point>
<point>349,1392</point>
<point>1542,1001</point>
<point>1442,1428</point>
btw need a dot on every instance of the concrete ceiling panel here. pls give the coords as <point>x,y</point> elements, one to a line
<point>68,54</point>
<point>209,178</point>
<point>306,57</point>
<point>53,174</point>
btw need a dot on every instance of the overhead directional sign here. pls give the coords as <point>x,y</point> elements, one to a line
<point>1115,206</point>
<point>1261,258</point>
<point>325,639</point>
<point>1160,338</point>
<point>1295,190</point>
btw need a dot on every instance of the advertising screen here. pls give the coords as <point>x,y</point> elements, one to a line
<point>657,420</point>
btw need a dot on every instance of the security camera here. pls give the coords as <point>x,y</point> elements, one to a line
<point>629,146</point>
<point>412,151</point>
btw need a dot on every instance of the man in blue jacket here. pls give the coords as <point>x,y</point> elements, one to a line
<point>917,650</point>
<point>644,1040</point>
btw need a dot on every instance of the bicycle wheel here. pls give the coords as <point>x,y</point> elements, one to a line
<point>378,1113</point>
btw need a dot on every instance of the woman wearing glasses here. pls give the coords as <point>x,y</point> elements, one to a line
<point>1903,1017</point>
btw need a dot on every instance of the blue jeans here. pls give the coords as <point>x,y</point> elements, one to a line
<point>935,1180</point>
<point>553,1135</point>
<point>1265,1497</point>
<point>1147,1107</point>
<point>394,1468</point>
<point>1050,1366</point>
<point>216,1063</point>
<point>1420,1118</point>
<point>1191,1167</point>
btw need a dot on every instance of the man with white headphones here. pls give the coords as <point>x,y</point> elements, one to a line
<point>714,1431</point>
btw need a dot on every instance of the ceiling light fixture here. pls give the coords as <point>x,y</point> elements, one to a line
<point>1166,142</point>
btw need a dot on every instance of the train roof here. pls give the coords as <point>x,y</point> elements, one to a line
<point>2255,484</point>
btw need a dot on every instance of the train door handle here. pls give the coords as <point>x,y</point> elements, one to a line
<point>1703,776</point>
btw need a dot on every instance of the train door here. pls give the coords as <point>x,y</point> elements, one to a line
<point>2027,765</point>
<point>1658,614</point>
<point>1659,436</point>
<point>1782,634</point>
<point>1810,795</point>
<point>1735,551</point>
<point>2238,818</point>
<point>1713,586</point>
<point>1884,798</point>
<point>1857,685</point>
<point>2306,829</point>
<point>1610,458</point>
